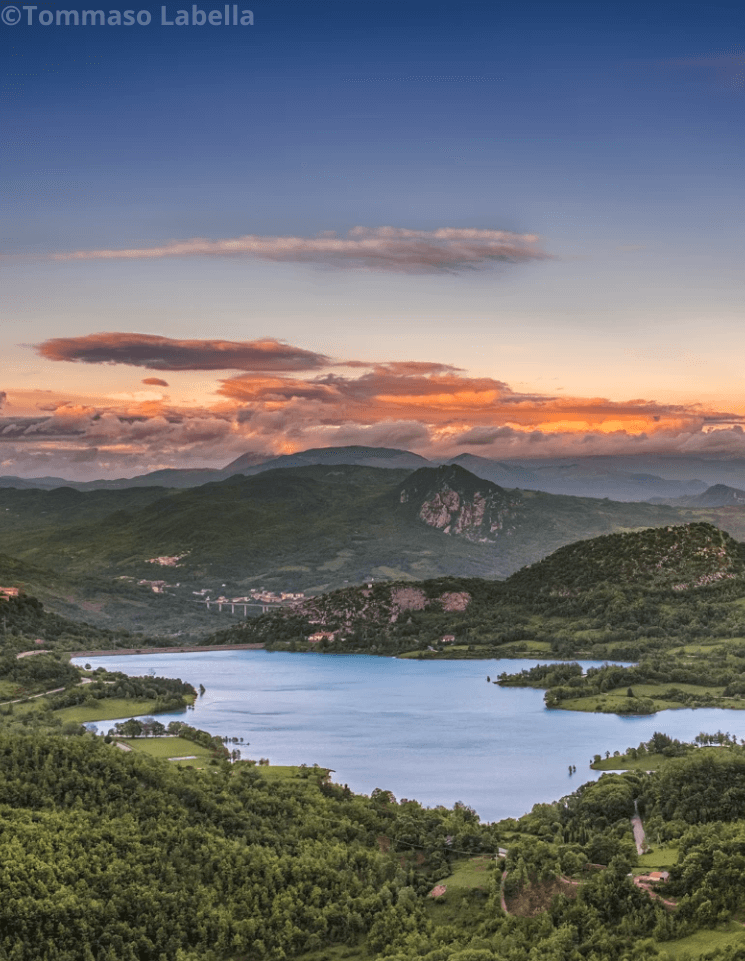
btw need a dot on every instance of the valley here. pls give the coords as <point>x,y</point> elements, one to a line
<point>92,554</point>
<point>456,586</point>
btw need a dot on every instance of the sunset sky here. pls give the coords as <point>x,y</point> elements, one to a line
<point>510,229</point>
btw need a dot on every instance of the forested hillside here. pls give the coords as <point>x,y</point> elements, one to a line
<point>625,591</point>
<point>95,554</point>
<point>117,857</point>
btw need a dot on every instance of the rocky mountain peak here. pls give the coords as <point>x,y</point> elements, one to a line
<point>455,501</point>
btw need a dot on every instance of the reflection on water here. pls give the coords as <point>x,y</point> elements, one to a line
<point>431,730</point>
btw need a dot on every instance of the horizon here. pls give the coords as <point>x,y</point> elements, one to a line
<point>626,464</point>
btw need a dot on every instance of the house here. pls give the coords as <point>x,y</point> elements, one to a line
<point>448,639</point>
<point>321,636</point>
<point>6,592</point>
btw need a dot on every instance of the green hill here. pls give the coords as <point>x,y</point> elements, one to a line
<point>679,558</point>
<point>312,529</point>
<point>620,595</point>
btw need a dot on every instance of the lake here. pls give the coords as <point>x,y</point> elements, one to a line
<point>431,730</point>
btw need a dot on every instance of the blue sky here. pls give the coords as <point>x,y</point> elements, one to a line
<point>612,133</point>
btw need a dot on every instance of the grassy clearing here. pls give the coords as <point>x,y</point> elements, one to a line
<point>106,709</point>
<point>167,747</point>
<point>647,762</point>
<point>662,697</point>
<point>702,942</point>
<point>611,704</point>
<point>471,873</point>
<point>700,648</point>
<point>457,906</point>
<point>291,772</point>
<point>659,858</point>
<point>8,690</point>
<point>526,649</point>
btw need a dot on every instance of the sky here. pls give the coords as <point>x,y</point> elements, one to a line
<point>513,230</point>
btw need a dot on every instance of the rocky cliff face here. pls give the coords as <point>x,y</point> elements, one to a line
<point>380,606</point>
<point>456,502</point>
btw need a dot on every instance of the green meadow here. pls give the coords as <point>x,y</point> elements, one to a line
<point>106,709</point>
<point>170,748</point>
<point>703,942</point>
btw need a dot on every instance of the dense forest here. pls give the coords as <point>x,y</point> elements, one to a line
<point>119,857</point>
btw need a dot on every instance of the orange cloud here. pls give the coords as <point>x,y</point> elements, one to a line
<point>165,353</point>
<point>155,382</point>
<point>281,401</point>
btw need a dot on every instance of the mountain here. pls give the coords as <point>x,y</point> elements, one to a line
<point>309,527</point>
<point>615,596</point>
<point>33,483</point>
<point>248,464</point>
<point>355,455</point>
<point>139,556</point>
<point>585,477</point>
<point>666,479</point>
<point>678,558</point>
<point>719,495</point>
<point>456,502</point>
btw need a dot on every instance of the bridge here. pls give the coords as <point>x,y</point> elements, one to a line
<point>220,604</point>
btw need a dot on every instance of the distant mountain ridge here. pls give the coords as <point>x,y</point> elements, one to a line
<point>719,495</point>
<point>620,478</point>
<point>356,456</point>
<point>310,529</point>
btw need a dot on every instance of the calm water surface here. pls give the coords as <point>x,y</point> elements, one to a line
<point>431,730</point>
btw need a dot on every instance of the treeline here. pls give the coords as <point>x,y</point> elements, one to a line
<point>41,672</point>
<point>150,727</point>
<point>25,617</point>
<point>723,669</point>
<point>167,693</point>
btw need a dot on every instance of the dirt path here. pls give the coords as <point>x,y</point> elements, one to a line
<point>638,829</point>
<point>30,697</point>
<point>30,654</point>
<point>55,690</point>
<point>640,883</point>
<point>501,893</point>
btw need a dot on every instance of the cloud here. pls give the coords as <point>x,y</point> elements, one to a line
<point>281,401</point>
<point>406,367</point>
<point>371,248</point>
<point>483,436</point>
<point>164,353</point>
<point>155,382</point>
<point>3,398</point>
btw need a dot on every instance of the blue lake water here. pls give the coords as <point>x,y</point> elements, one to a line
<point>431,730</point>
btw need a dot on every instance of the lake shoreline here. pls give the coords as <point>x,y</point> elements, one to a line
<point>261,646</point>
<point>432,730</point>
<point>184,649</point>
